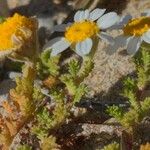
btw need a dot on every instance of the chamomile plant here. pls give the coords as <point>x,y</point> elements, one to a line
<point>135,31</point>
<point>69,87</point>
<point>81,35</point>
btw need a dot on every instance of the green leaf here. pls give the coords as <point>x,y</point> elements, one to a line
<point>115,111</point>
<point>24,147</point>
<point>145,107</point>
<point>80,91</point>
<point>44,118</point>
<point>74,68</point>
<point>112,146</point>
<point>142,63</point>
<point>48,65</point>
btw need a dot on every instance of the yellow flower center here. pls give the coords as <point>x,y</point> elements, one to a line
<point>79,31</point>
<point>17,28</point>
<point>137,26</point>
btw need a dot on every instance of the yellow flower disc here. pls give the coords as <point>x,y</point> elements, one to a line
<point>79,31</point>
<point>137,27</point>
<point>18,27</point>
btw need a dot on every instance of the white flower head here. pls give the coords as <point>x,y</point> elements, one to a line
<point>80,34</point>
<point>135,31</point>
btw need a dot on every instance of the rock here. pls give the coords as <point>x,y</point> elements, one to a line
<point>99,128</point>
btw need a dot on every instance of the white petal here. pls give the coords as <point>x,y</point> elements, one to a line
<point>60,46</point>
<point>49,44</point>
<point>81,15</point>
<point>108,20</point>
<point>77,16</point>
<point>146,37</point>
<point>122,41</point>
<point>133,45</point>
<point>104,36</point>
<point>123,21</point>
<point>119,41</point>
<point>86,14</point>
<point>61,27</point>
<point>84,48</point>
<point>96,13</point>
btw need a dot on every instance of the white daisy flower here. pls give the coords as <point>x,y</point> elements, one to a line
<point>81,34</point>
<point>135,31</point>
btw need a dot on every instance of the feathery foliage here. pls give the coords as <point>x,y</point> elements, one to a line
<point>48,65</point>
<point>24,147</point>
<point>133,90</point>
<point>49,144</point>
<point>73,80</point>
<point>64,90</point>
<point>112,146</point>
<point>19,108</point>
